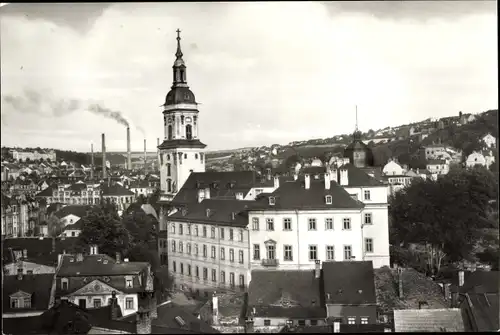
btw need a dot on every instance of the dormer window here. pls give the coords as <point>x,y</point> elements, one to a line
<point>20,299</point>
<point>64,283</point>
<point>272,201</point>
<point>328,199</point>
<point>129,283</point>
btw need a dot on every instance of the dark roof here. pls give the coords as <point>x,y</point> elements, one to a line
<point>436,162</point>
<point>115,190</point>
<point>74,226</point>
<point>478,282</point>
<point>293,195</point>
<point>356,146</point>
<point>314,170</point>
<point>344,328</point>
<point>47,192</point>
<point>349,283</point>
<point>243,181</point>
<point>300,290</point>
<point>165,323</point>
<point>169,144</point>
<point>220,212</point>
<point>93,265</point>
<point>39,250</point>
<point>39,285</point>
<point>77,210</point>
<point>178,95</point>
<point>23,326</point>
<point>357,177</point>
<point>485,310</point>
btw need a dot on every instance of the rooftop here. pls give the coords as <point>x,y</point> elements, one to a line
<point>37,286</point>
<point>349,282</point>
<point>429,320</point>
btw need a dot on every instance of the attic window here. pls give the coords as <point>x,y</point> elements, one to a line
<point>128,282</point>
<point>328,199</point>
<point>20,300</point>
<point>64,283</point>
<point>272,201</point>
<point>354,196</point>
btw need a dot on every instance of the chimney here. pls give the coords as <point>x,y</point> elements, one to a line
<point>25,253</point>
<point>79,257</point>
<point>334,175</point>
<point>118,258</point>
<point>307,181</point>
<point>129,155</point>
<point>344,179</point>
<point>20,274</point>
<point>103,156</point>
<point>233,215</point>
<point>91,161</point>
<point>207,212</point>
<point>317,269</point>
<point>276,182</point>
<point>400,282</point>
<point>215,309</point>
<point>461,278</point>
<point>336,327</point>
<point>295,176</point>
<point>327,181</point>
<point>153,308</point>
<point>207,193</point>
<point>145,156</point>
<point>53,244</point>
<point>114,305</point>
<point>143,321</point>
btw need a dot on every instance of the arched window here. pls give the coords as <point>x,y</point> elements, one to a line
<point>189,132</point>
<point>168,157</point>
<point>169,185</point>
<point>185,156</point>
<point>170,132</point>
<point>181,75</point>
<point>169,169</point>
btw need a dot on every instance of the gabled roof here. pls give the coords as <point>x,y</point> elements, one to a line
<point>38,285</point>
<point>220,211</point>
<point>485,311</point>
<point>291,293</point>
<point>166,323</point>
<point>77,210</point>
<point>115,190</point>
<point>349,282</point>
<point>243,181</point>
<point>428,320</point>
<point>485,281</point>
<point>293,195</point>
<point>94,265</point>
<point>39,251</point>
<point>357,177</point>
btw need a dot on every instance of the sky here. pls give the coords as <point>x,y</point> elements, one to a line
<point>263,72</point>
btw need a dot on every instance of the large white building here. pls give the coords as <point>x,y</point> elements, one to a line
<point>216,227</point>
<point>24,155</point>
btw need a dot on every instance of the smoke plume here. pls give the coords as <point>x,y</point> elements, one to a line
<point>44,104</point>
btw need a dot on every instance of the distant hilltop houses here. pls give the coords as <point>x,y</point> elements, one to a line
<point>24,155</point>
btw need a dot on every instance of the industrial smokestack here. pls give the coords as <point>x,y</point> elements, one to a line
<point>103,156</point>
<point>91,161</point>
<point>129,158</point>
<point>145,165</point>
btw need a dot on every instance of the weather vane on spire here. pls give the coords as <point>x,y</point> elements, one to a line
<point>178,54</point>
<point>356,128</point>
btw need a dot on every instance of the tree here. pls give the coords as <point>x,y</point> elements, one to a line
<point>54,226</point>
<point>102,227</point>
<point>444,216</point>
<point>154,198</point>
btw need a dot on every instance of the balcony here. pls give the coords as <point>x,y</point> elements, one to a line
<point>270,262</point>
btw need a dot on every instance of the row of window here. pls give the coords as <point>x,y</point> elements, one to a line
<point>312,223</point>
<point>350,320</point>
<point>222,274</point>
<point>222,232</point>
<point>213,249</point>
<point>185,156</point>
<point>97,303</point>
<point>20,302</point>
<point>313,251</point>
<point>129,282</point>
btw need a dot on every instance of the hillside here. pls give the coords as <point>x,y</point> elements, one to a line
<point>464,137</point>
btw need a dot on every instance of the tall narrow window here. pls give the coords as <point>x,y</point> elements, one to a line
<point>271,252</point>
<point>189,132</point>
<point>255,224</point>
<point>170,132</point>
<point>347,252</point>
<point>169,185</point>
<point>313,252</point>
<point>256,252</point>
<point>330,253</point>
<point>368,245</point>
<point>288,255</point>
<point>169,169</point>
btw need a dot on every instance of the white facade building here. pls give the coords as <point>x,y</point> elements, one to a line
<point>490,141</point>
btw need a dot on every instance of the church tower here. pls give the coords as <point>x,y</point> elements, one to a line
<point>181,151</point>
<point>359,154</point>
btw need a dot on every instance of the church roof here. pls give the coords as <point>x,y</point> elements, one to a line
<point>179,95</point>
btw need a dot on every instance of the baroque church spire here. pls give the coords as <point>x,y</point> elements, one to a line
<point>179,67</point>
